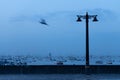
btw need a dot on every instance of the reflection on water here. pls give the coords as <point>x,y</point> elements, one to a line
<point>61,77</point>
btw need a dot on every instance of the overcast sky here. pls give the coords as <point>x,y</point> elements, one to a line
<point>21,34</point>
<point>14,7</point>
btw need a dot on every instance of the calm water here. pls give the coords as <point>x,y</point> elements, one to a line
<point>61,77</point>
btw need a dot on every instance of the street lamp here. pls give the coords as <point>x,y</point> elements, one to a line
<point>87,17</point>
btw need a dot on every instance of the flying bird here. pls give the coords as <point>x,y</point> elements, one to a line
<point>42,21</point>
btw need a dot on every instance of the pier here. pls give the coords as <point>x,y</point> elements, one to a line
<point>60,69</point>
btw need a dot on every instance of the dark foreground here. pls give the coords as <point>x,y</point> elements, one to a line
<point>61,77</point>
<point>60,69</point>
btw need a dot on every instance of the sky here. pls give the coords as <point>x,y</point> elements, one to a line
<point>22,34</point>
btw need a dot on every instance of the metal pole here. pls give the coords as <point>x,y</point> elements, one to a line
<point>87,44</point>
<point>87,39</point>
<point>87,17</point>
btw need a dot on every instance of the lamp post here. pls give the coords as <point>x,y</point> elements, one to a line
<point>87,17</point>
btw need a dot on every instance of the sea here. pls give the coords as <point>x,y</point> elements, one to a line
<point>60,77</point>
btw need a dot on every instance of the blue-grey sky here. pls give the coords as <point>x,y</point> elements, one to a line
<point>21,34</point>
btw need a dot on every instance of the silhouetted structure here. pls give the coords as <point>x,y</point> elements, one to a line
<point>43,22</point>
<point>60,69</point>
<point>87,17</point>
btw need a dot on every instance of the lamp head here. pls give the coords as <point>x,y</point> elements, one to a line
<point>95,19</point>
<point>79,19</point>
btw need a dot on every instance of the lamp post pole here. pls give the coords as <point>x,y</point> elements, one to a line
<point>87,40</point>
<point>87,17</point>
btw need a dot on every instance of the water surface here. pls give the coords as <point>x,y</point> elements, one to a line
<point>61,77</point>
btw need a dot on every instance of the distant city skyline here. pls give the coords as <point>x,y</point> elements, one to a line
<point>22,34</point>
